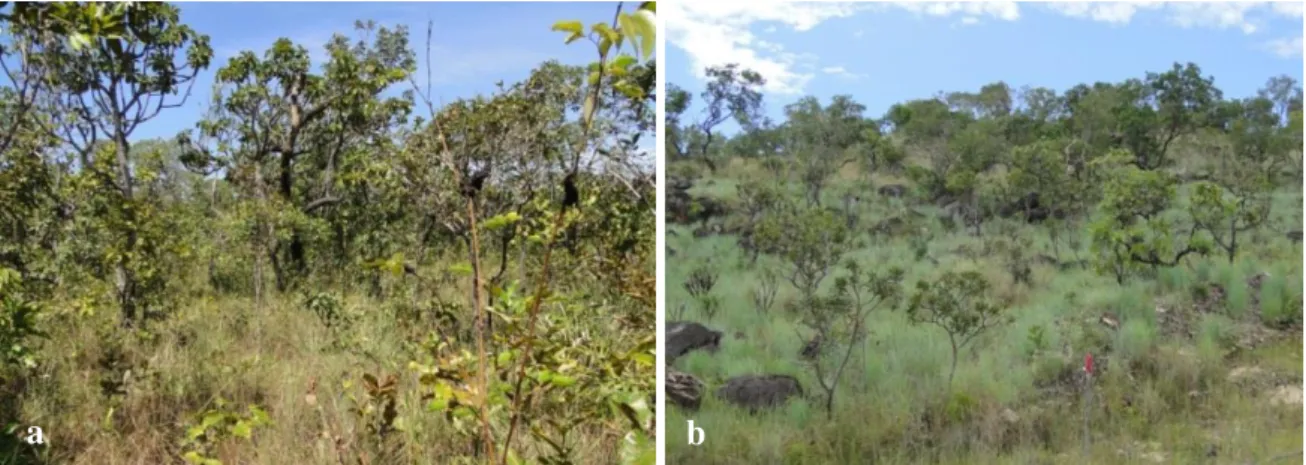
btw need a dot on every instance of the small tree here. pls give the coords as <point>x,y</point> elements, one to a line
<point>842,319</point>
<point>1133,230</point>
<point>958,304</point>
<point>810,241</point>
<point>1224,214</point>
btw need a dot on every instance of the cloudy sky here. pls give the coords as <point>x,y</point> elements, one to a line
<point>885,53</point>
<point>473,45</point>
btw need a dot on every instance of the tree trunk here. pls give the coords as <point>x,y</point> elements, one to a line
<point>953,370</point>
<point>126,278</point>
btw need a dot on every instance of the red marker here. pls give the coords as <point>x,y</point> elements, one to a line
<point>1088,363</point>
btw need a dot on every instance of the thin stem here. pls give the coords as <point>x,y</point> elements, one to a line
<point>543,286</point>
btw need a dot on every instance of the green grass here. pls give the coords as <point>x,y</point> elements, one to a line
<point>1164,394</point>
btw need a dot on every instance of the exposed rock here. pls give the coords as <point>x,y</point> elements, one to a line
<point>684,389</point>
<point>760,391</point>
<point>684,336</point>
<point>1245,373</point>
<point>893,190</point>
<point>1010,416</point>
<point>812,349</point>
<point>1286,396</point>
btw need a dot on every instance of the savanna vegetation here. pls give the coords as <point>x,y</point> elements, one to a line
<point>936,279</point>
<point>329,267</point>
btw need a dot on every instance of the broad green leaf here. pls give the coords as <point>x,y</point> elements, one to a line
<point>647,31</point>
<point>623,61</point>
<point>241,430</point>
<point>193,457</point>
<point>501,221</point>
<point>562,381</point>
<point>572,26</point>
<point>604,46</point>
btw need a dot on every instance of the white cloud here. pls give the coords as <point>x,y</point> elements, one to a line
<point>1245,16</point>
<point>840,71</point>
<point>1213,15</point>
<point>1289,9</point>
<point>1007,11</point>
<point>1285,47</point>
<point>717,33</point>
<point>1113,13</point>
<point>969,20</point>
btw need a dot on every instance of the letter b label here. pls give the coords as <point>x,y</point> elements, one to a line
<point>696,434</point>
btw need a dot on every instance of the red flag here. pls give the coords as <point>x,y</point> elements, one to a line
<point>1088,363</point>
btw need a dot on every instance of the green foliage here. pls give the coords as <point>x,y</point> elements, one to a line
<point>214,426</point>
<point>699,285</point>
<point>811,242</point>
<point>1155,172</point>
<point>19,325</point>
<point>841,319</point>
<point>957,303</point>
<point>310,192</point>
<point>1132,234</point>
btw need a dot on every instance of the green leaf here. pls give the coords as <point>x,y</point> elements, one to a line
<point>651,7</point>
<point>501,221</point>
<point>193,457</point>
<point>604,46</point>
<point>623,62</point>
<point>646,30</point>
<point>572,26</point>
<point>241,430</point>
<point>79,41</point>
<point>563,381</point>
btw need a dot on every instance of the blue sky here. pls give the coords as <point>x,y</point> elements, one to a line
<point>886,53</point>
<point>473,44</point>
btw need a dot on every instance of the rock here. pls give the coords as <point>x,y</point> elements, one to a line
<point>684,389</point>
<point>812,349</point>
<point>1255,281</point>
<point>1245,373</point>
<point>757,392</point>
<point>685,336</point>
<point>1286,396</point>
<point>893,190</point>
<point>1010,416</point>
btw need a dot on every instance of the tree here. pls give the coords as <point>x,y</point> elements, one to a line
<point>820,137</point>
<point>731,93</point>
<point>289,132</point>
<point>1286,94</point>
<point>841,318</point>
<point>957,303</point>
<point>1133,229</point>
<point>1178,102</point>
<point>107,86</point>
<point>810,241</point>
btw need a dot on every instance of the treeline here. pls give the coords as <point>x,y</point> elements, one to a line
<point>1125,150</point>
